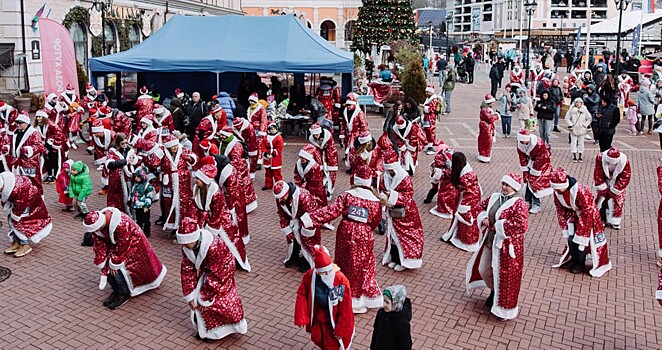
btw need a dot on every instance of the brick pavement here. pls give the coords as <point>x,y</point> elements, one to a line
<point>52,302</point>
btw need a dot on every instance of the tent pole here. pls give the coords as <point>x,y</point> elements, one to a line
<point>217,84</point>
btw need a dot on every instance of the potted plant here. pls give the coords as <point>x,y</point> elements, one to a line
<point>23,102</point>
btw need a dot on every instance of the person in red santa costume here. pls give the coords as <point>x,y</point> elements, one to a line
<point>291,203</point>
<point>499,263</point>
<point>25,151</point>
<point>272,153</point>
<point>536,166</point>
<point>625,85</point>
<point>208,149</point>
<point>324,93</point>
<point>442,187</point>
<point>119,122</point>
<point>354,124</point>
<point>611,175</point>
<point>208,283</point>
<point>581,226</point>
<point>244,132</point>
<point>147,131</point>
<point>486,129</point>
<point>122,251</point>
<point>659,215</point>
<point>214,215</point>
<point>176,189</point>
<point>361,211</point>
<point>163,122</point>
<point>324,304</point>
<point>517,75</point>
<point>119,157</point>
<point>430,107</point>
<point>56,145</point>
<point>89,100</point>
<point>404,244</point>
<point>464,232</point>
<point>27,215</point>
<point>407,142</point>
<point>258,117</point>
<point>208,128</point>
<point>144,104</point>
<point>50,104</point>
<point>103,140</point>
<point>232,148</point>
<point>366,154</point>
<point>308,174</point>
<point>326,154</point>
<point>230,183</point>
<point>73,113</point>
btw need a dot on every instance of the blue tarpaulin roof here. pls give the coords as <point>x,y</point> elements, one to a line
<point>230,43</point>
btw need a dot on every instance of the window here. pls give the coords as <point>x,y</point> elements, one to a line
<point>110,45</point>
<point>349,30</point>
<point>328,30</point>
<point>79,37</point>
<point>134,36</point>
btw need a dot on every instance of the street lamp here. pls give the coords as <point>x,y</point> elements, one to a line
<point>563,12</point>
<point>449,18</point>
<point>621,5</point>
<point>431,25</point>
<point>530,7</point>
<point>102,6</point>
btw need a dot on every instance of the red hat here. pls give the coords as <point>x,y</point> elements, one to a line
<point>308,152</point>
<point>208,160</point>
<point>238,122</point>
<point>179,93</point>
<point>148,119</point>
<point>631,103</point>
<point>188,231</point>
<point>513,180</point>
<point>315,129</point>
<point>489,99</point>
<point>70,88</point>
<point>23,117</point>
<point>523,135</point>
<point>365,137</point>
<point>170,141</point>
<point>97,126</point>
<point>105,110</point>
<point>280,189</point>
<point>612,156</point>
<point>323,262</point>
<point>204,144</point>
<point>206,173</point>
<point>158,109</point>
<point>400,123</point>
<point>352,99</point>
<point>89,87</point>
<point>363,176</point>
<point>226,131</point>
<point>444,158</point>
<point>217,108</point>
<point>253,97</point>
<point>143,90</point>
<point>3,105</point>
<point>94,221</point>
<point>559,179</point>
<point>94,111</point>
<point>391,159</point>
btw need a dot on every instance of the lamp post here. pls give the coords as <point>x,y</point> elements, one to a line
<point>530,7</point>
<point>430,50</point>
<point>621,5</point>
<point>563,12</point>
<point>103,6</point>
<point>449,18</point>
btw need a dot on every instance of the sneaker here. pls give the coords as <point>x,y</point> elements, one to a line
<point>556,129</point>
<point>490,300</point>
<point>574,158</point>
<point>360,310</point>
<point>13,248</point>
<point>616,227</point>
<point>580,159</point>
<point>160,221</point>
<point>110,299</point>
<point>264,188</point>
<point>535,209</point>
<point>89,150</point>
<point>121,300</point>
<point>23,250</point>
<point>391,265</point>
<point>103,191</point>
<point>399,268</point>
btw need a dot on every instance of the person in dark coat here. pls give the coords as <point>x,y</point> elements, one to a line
<point>410,110</point>
<point>599,75</point>
<point>556,94</point>
<point>196,111</point>
<point>494,79</point>
<point>546,108</point>
<point>501,66</point>
<point>470,64</point>
<point>591,101</point>
<point>608,116</point>
<point>569,60</point>
<point>177,111</point>
<point>392,329</point>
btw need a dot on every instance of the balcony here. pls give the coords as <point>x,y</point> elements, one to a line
<point>558,14</point>
<point>560,3</point>
<point>487,8</point>
<point>599,3</point>
<point>578,14</point>
<point>578,3</point>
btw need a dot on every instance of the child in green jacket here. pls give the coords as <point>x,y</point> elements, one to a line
<point>80,187</point>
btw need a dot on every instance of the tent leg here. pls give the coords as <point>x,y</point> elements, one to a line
<point>347,83</point>
<point>118,89</point>
<point>217,83</point>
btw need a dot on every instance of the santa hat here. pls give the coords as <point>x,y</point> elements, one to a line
<point>105,110</point>
<point>226,131</point>
<point>51,96</point>
<point>93,221</point>
<point>188,231</point>
<point>4,106</point>
<point>307,152</point>
<point>513,180</point>
<point>238,122</point>
<point>89,87</point>
<point>170,141</point>
<point>206,173</point>
<point>489,99</point>
<point>559,180</point>
<point>97,126</point>
<point>362,176</point>
<point>143,90</point>
<point>365,137</point>
<point>400,123</point>
<point>253,97</point>
<point>208,160</point>
<point>68,163</point>
<point>272,125</point>
<point>217,108</point>
<point>523,135</point>
<point>391,159</point>
<point>315,129</point>
<point>443,157</point>
<point>430,89</point>
<point>323,262</point>
<point>148,119</point>
<point>179,93</point>
<point>158,109</point>
<point>280,189</point>
<point>70,89</point>
<point>517,85</point>
<point>204,144</point>
<point>352,99</point>
<point>612,156</point>
<point>23,117</point>
<point>41,114</point>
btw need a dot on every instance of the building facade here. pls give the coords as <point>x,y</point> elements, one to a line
<point>331,19</point>
<point>127,24</point>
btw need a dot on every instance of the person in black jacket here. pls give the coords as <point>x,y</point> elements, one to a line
<point>392,329</point>
<point>608,116</point>
<point>546,110</point>
<point>494,79</point>
<point>470,64</point>
<point>556,94</point>
<point>196,111</point>
<point>591,101</point>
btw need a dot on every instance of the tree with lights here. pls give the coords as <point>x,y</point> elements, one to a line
<point>383,21</point>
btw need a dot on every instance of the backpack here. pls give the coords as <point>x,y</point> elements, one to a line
<point>440,105</point>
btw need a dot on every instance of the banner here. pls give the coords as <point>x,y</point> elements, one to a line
<point>579,34</point>
<point>636,39</point>
<point>58,58</point>
<point>475,19</point>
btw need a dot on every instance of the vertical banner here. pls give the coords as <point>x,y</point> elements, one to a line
<point>636,39</point>
<point>475,19</point>
<point>579,34</point>
<point>58,58</point>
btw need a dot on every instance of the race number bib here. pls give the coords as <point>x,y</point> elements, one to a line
<point>29,171</point>
<point>336,294</point>
<point>167,192</point>
<point>358,214</point>
<point>600,238</point>
<point>165,131</point>
<point>426,124</point>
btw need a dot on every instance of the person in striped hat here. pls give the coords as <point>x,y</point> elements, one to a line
<point>499,263</point>
<point>612,175</point>
<point>486,129</point>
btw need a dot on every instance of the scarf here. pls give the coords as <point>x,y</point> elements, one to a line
<point>225,142</point>
<point>398,295</point>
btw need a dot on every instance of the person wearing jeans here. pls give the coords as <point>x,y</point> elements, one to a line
<point>646,100</point>
<point>448,87</point>
<point>506,111</point>
<point>546,109</point>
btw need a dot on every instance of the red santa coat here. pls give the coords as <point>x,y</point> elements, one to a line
<point>447,194</point>
<point>25,157</point>
<point>259,120</point>
<point>120,123</point>
<point>611,185</point>
<point>327,98</point>
<point>144,105</point>
<point>486,133</point>
<point>232,188</point>
<point>311,178</point>
<point>406,233</point>
<point>247,135</point>
<point>74,113</point>
<point>215,216</point>
<point>353,126</point>
<point>26,212</point>
<point>164,125</point>
<point>292,227</point>
<point>119,182</point>
<point>506,254</point>
<point>517,76</point>
<point>149,134</point>
<point>325,323</point>
<point>464,232</point>
<point>235,151</point>
<point>536,166</point>
<point>408,146</point>
<point>659,212</point>
<point>326,156</point>
<point>658,292</point>
<point>430,119</point>
<point>123,247</point>
<point>361,213</point>
<point>272,145</point>
<point>625,85</point>
<point>53,135</point>
<point>208,279</point>
<point>579,217</point>
<point>177,188</point>
<point>206,129</point>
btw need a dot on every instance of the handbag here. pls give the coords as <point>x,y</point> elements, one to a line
<point>397,212</point>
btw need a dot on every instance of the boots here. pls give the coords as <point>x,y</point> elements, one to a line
<point>13,248</point>
<point>490,300</point>
<point>574,157</point>
<point>431,193</point>
<point>147,228</point>
<point>111,299</point>
<point>23,250</point>
<point>119,301</point>
<point>580,158</point>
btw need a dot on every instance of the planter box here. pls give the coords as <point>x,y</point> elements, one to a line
<point>23,103</point>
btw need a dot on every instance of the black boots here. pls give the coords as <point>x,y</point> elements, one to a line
<point>431,193</point>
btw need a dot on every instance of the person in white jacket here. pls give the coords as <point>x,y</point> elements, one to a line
<point>577,119</point>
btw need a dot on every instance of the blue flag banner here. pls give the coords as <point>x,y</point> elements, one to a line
<point>579,34</point>
<point>636,39</point>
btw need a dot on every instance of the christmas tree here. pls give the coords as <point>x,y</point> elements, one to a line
<point>383,21</point>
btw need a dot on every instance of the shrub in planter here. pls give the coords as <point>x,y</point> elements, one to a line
<point>413,81</point>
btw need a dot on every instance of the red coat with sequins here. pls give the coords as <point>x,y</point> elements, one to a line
<point>118,182</point>
<point>101,147</point>
<point>311,178</point>
<point>144,105</point>
<point>659,212</point>
<point>507,247</point>
<point>486,132</point>
<point>326,155</point>
<point>611,186</point>
<point>230,184</point>
<point>258,118</point>
<point>120,123</point>
<point>208,280</point>
<point>447,195</point>
<point>25,208</point>
<point>354,125</point>
<point>464,232</point>
<point>177,187</point>
<point>327,98</point>
<point>273,146</point>
<point>293,228</point>
<point>25,158</point>
<point>123,247</point>
<point>235,152</point>
<point>148,134</point>
<point>247,135</point>
<point>164,126</point>
<point>536,166</point>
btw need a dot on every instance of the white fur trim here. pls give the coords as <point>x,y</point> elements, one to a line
<point>306,220</point>
<point>306,155</point>
<point>171,143</point>
<point>23,118</point>
<point>362,182</point>
<point>200,175</point>
<point>434,211</point>
<point>251,206</point>
<point>511,182</point>
<point>189,237</point>
<point>483,158</point>
<point>560,186</point>
<point>350,103</point>
<point>615,191</point>
<point>147,121</point>
<point>96,129</point>
<point>97,224</point>
<point>282,193</point>
<point>286,230</point>
<point>392,198</point>
<point>658,294</point>
<point>600,187</point>
<point>218,332</point>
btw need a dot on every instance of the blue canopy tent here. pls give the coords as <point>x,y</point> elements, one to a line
<point>225,44</point>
